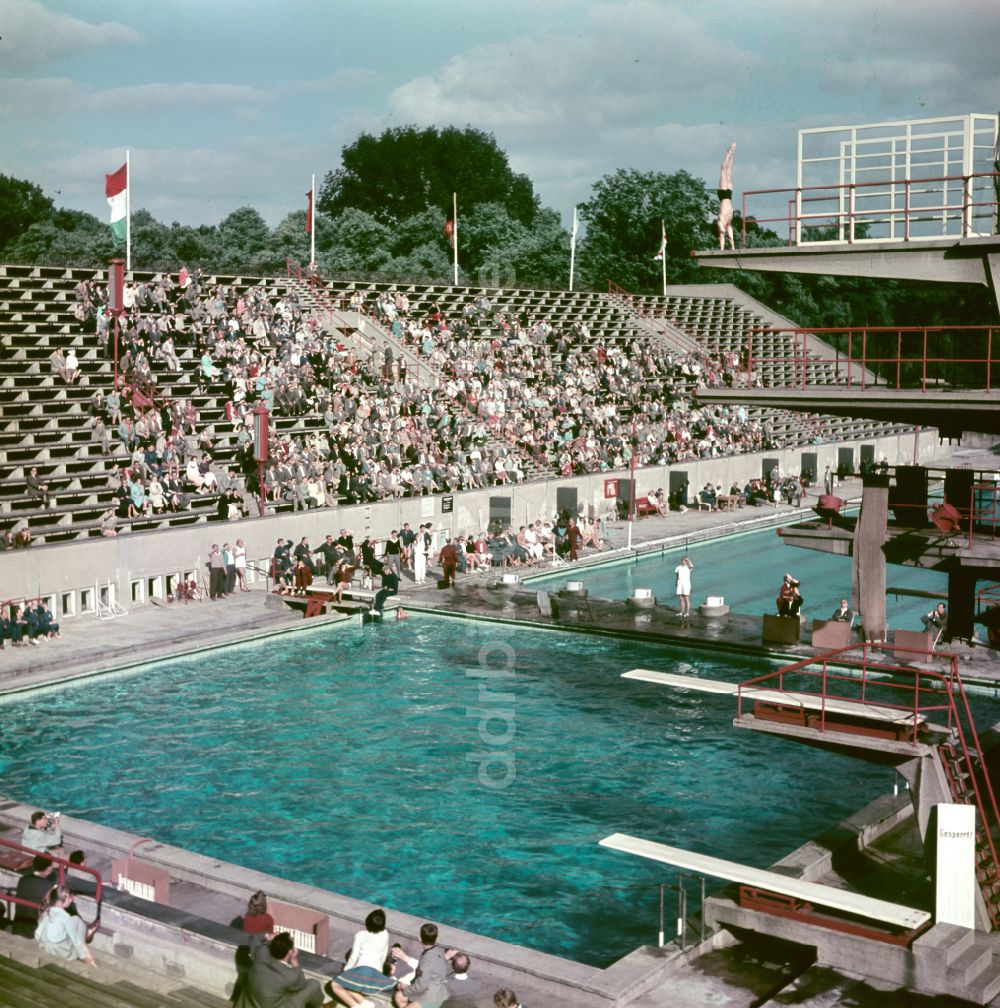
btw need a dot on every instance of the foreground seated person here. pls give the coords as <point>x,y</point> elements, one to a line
<point>429,988</point>
<point>59,933</point>
<point>369,968</point>
<point>275,979</point>
<point>33,886</point>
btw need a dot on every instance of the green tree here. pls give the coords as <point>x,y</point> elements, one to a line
<point>243,234</point>
<point>195,245</point>
<point>405,171</point>
<point>21,205</point>
<point>623,228</point>
<point>355,242</point>
<point>69,237</point>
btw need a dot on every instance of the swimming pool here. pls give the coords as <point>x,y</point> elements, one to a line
<point>746,570</point>
<point>353,759</point>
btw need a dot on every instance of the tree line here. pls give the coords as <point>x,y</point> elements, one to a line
<point>384,212</point>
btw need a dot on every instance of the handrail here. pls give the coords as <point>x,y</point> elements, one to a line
<point>847,194</point>
<point>846,657</point>
<point>857,365</point>
<point>63,864</point>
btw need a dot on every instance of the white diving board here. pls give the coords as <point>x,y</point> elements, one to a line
<point>891,914</point>
<point>835,705</point>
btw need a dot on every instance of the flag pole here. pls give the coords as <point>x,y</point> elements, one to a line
<point>312,225</point>
<point>663,231</point>
<point>454,231</point>
<point>572,250</point>
<point>128,213</point>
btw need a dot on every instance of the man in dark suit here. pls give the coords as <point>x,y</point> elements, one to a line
<point>843,613</point>
<point>275,979</point>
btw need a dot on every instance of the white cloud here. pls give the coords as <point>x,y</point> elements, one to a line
<point>32,34</point>
<point>53,97</point>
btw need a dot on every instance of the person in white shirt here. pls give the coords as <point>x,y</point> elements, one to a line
<point>682,574</point>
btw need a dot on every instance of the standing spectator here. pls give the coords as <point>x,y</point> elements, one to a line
<point>229,560</point>
<point>393,552</point>
<point>216,574</point>
<point>240,563</point>
<point>682,576</point>
<point>448,559</point>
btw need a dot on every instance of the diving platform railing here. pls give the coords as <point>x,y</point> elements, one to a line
<point>886,210</point>
<point>927,358</point>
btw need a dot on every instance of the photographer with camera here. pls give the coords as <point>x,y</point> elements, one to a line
<point>45,833</point>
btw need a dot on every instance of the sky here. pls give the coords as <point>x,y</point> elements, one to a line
<point>229,103</point>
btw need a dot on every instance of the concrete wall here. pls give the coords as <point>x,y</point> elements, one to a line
<point>74,567</point>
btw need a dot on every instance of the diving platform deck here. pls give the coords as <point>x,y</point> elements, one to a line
<point>974,260</point>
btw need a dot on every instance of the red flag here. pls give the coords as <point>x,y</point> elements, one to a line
<point>449,230</point>
<point>309,212</point>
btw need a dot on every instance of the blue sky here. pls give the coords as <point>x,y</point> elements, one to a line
<point>225,104</point>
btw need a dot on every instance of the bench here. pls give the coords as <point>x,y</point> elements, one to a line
<point>643,507</point>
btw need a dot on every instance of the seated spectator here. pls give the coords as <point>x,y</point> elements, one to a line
<point>71,368</point>
<point>59,933</point>
<point>464,991</point>
<point>275,979</point>
<point>36,488</point>
<point>44,833</point>
<point>506,998</point>
<point>707,497</point>
<point>8,540</point>
<point>368,968</point>
<point>257,920</point>
<point>789,600</point>
<point>33,886</point>
<point>109,523</point>
<point>81,884</point>
<point>46,626</point>
<point>342,577</point>
<point>23,538</point>
<point>429,986</point>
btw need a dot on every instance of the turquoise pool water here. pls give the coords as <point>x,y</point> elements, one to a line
<point>350,759</point>
<point>747,571</point>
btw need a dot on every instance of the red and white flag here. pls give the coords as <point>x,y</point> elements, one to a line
<point>116,191</point>
<point>663,243</point>
<point>309,212</point>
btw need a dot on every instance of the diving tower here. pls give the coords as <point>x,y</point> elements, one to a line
<point>908,200</point>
